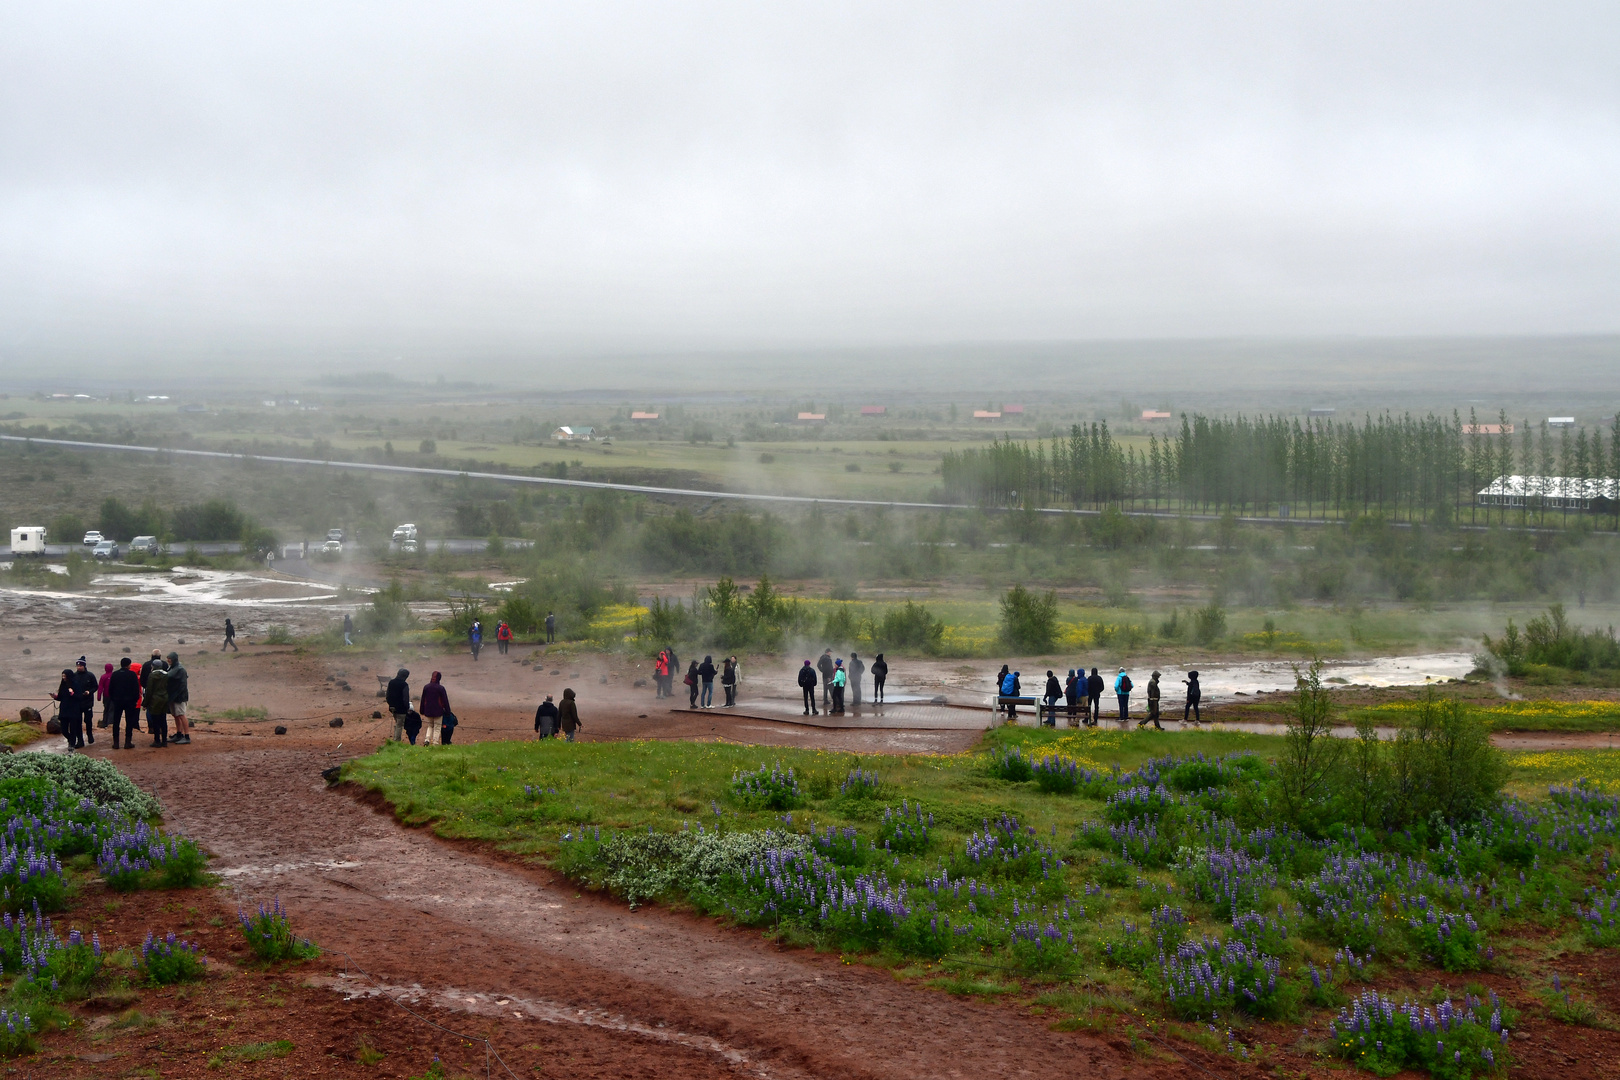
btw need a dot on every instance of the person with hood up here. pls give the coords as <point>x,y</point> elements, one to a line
<point>691,683</point>
<point>1071,698</point>
<point>475,638</point>
<point>661,674</point>
<point>67,709</point>
<point>826,666</point>
<point>179,694</point>
<point>230,637</point>
<point>1194,695</point>
<point>348,628</point>
<point>157,702</point>
<point>1053,695</point>
<point>434,704</point>
<point>807,683</point>
<point>706,675</point>
<point>1011,688</point>
<point>1153,703</point>
<point>503,637</point>
<point>412,725</point>
<point>399,700</point>
<point>880,674</point>
<point>1094,691</point>
<point>545,719</point>
<point>856,670</point>
<point>568,716</point>
<point>728,679</point>
<point>1122,690</point>
<point>106,702</point>
<point>124,691</point>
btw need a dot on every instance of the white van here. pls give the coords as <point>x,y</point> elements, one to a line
<point>28,540</point>
<point>405,532</point>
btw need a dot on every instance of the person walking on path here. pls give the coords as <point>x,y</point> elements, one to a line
<point>1071,697</point>
<point>1194,695</point>
<point>826,666</point>
<point>106,702</point>
<point>434,704</point>
<point>551,628</point>
<point>568,716</point>
<point>880,672</point>
<point>85,684</point>
<point>157,702</point>
<point>124,693</point>
<point>691,682</point>
<point>447,727</point>
<point>1094,692</point>
<point>475,638</point>
<point>807,683</point>
<point>840,680</point>
<point>706,674</point>
<point>399,700</point>
<point>348,628</point>
<point>179,694</point>
<point>230,637</point>
<point>728,679</point>
<point>545,719</point>
<point>1053,695</point>
<point>412,725</point>
<point>1122,690</point>
<point>856,670</point>
<point>503,637</point>
<point>1153,704</point>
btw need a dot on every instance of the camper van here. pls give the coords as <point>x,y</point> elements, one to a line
<point>28,540</point>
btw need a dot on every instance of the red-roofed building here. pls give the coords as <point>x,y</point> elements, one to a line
<point>643,417</point>
<point>812,418</point>
<point>1012,410</point>
<point>874,410</point>
<point>1154,414</point>
<point>984,414</point>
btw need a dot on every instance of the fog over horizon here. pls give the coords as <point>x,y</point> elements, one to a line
<point>408,187</point>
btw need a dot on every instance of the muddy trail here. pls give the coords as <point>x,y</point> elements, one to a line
<point>672,994</point>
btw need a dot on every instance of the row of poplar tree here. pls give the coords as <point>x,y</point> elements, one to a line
<point>1407,468</point>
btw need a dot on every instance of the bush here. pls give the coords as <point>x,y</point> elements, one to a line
<point>1209,624</point>
<point>1443,762</point>
<point>165,962</point>
<point>83,778</point>
<point>909,627</point>
<point>1029,622</point>
<point>271,938</point>
<point>770,788</point>
<point>1448,1042</point>
<point>1011,764</point>
<point>1057,775</point>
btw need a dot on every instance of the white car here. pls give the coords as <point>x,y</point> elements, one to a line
<point>92,538</point>
<point>332,547</point>
<point>405,532</point>
<point>334,534</point>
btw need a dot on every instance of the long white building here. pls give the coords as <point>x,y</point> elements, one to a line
<point>1553,492</point>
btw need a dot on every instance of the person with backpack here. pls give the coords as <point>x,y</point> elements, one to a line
<point>880,674</point>
<point>475,638</point>
<point>399,701</point>
<point>691,682</point>
<point>447,727</point>
<point>1194,695</point>
<point>1153,704</point>
<point>1053,695</point>
<point>434,704</point>
<point>1122,690</point>
<point>807,683</point>
<point>840,680</point>
<point>706,674</point>
<point>157,702</point>
<point>1010,688</point>
<point>503,637</point>
<point>1094,690</point>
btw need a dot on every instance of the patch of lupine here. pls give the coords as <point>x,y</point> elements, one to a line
<point>1600,921</point>
<point>786,885</point>
<point>767,788</point>
<point>1230,881</point>
<point>1138,841</point>
<point>1343,902</point>
<point>30,876</point>
<point>535,791</point>
<point>1450,1041</point>
<point>1451,940</point>
<point>1057,775</point>
<point>842,845</point>
<point>1007,849</point>
<point>47,961</point>
<point>1208,977</point>
<point>1138,802</point>
<point>270,935</point>
<point>905,830</point>
<point>860,784</point>
<point>1011,764</point>
<point>16,1033</point>
<point>165,961</point>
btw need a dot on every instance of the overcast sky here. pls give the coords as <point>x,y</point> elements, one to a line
<point>542,177</point>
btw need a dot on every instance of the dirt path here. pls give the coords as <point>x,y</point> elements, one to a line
<point>460,930</point>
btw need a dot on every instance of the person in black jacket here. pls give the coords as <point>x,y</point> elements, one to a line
<point>1071,697</point>
<point>413,725</point>
<point>124,693</point>
<point>856,669</point>
<point>827,667</point>
<point>706,674</point>
<point>85,685</point>
<point>546,718</point>
<point>880,672</point>
<point>67,710</point>
<point>1052,695</point>
<point>1094,690</point>
<point>807,683</point>
<point>179,694</point>
<point>399,700</point>
<point>1194,695</point>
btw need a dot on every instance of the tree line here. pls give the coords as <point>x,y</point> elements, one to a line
<point>1407,468</point>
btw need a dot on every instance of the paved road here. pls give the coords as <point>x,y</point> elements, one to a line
<point>211,547</point>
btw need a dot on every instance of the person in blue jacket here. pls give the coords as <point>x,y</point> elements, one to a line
<point>1122,690</point>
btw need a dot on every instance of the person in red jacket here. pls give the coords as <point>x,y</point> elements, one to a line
<point>503,637</point>
<point>434,704</point>
<point>106,702</point>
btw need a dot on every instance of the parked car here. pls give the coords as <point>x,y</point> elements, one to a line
<point>106,549</point>
<point>334,534</point>
<point>145,545</point>
<point>407,545</point>
<point>92,538</point>
<point>405,532</point>
<point>332,547</point>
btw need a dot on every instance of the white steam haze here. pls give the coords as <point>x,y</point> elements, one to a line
<point>532,180</point>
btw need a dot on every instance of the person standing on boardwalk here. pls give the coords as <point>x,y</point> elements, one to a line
<point>124,692</point>
<point>434,704</point>
<point>691,683</point>
<point>568,716</point>
<point>1122,690</point>
<point>826,667</point>
<point>399,700</point>
<point>856,670</point>
<point>706,674</point>
<point>1194,695</point>
<point>807,683</point>
<point>1071,697</point>
<point>1094,691</point>
<point>179,694</point>
<point>1050,697</point>
<point>880,672</point>
<point>230,637</point>
<point>728,679</point>
<point>840,679</point>
<point>1153,704</point>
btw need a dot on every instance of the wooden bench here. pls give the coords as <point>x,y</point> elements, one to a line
<point>1007,704</point>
